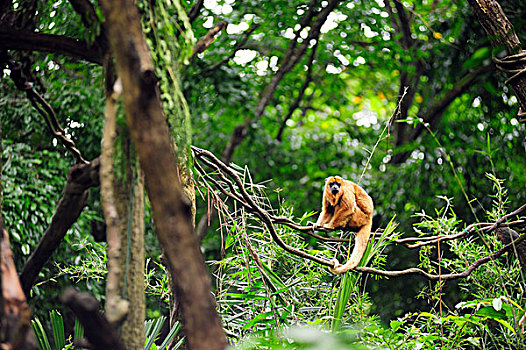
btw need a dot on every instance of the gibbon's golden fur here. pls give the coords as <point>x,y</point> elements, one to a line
<point>347,206</point>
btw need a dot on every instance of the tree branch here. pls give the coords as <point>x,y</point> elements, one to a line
<point>233,188</point>
<point>194,10</point>
<point>97,329</point>
<point>208,38</point>
<point>451,276</point>
<point>80,178</point>
<point>43,108</point>
<point>433,115</point>
<point>407,40</point>
<point>11,39</point>
<point>301,93</point>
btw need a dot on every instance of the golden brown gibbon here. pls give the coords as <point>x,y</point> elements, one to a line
<point>347,206</point>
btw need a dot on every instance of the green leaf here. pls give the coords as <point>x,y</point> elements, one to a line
<point>42,341</point>
<point>489,311</point>
<point>395,325</point>
<point>57,325</point>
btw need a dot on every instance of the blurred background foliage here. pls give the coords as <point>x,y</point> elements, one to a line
<point>346,124</point>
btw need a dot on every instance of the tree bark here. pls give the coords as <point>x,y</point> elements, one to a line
<point>11,39</point>
<point>501,34</point>
<point>171,213</point>
<point>81,177</point>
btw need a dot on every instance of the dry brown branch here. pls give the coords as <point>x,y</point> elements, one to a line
<point>451,276</point>
<point>208,38</point>
<point>43,108</point>
<point>12,39</point>
<point>80,178</point>
<point>230,185</point>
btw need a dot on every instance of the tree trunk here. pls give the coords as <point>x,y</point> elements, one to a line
<point>15,315</point>
<point>171,212</point>
<point>123,203</point>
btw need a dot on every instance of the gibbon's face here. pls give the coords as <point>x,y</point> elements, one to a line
<point>334,185</point>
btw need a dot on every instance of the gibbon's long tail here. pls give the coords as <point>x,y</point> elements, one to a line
<point>360,244</point>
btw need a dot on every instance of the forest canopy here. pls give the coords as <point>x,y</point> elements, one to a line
<point>164,163</point>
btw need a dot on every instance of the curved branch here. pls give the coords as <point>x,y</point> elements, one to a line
<point>81,177</point>
<point>262,214</point>
<point>241,196</point>
<point>43,108</point>
<point>451,276</point>
<point>98,330</point>
<point>11,39</point>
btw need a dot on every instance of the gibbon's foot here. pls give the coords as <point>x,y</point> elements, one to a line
<point>335,267</point>
<point>339,268</point>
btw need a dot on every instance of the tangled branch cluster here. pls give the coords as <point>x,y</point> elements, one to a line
<point>226,180</point>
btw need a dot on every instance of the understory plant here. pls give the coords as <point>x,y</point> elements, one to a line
<point>486,310</point>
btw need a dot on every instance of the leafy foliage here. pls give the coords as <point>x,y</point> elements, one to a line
<point>465,166</point>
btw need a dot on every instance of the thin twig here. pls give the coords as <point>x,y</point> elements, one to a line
<point>240,195</point>
<point>44,109</point>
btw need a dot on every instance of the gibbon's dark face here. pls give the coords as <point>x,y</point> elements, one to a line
<point>334,187</point>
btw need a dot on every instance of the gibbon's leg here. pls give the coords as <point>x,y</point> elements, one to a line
<point>360,244</point>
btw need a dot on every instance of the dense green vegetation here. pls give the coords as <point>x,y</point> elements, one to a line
<point>401,97</point>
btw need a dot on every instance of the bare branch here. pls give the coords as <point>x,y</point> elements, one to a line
<point>248,202</point>
<point>11,39</point>
<point>208,38</point>
<point>43,108</point>
<point>194,10</point>
<point>407,40</point>
<point>451,276</point>
<point>301,93</point>
<point>97,329</point>
<point>81,177</point>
